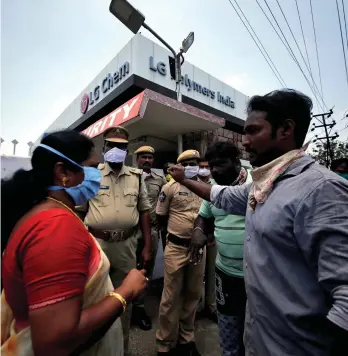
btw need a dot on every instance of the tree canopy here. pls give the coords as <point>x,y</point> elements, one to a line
<point>339,149</point>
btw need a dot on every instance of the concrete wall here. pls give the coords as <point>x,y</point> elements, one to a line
<point>224,135</point>
<point>201,140</point>
<point>11,164</point>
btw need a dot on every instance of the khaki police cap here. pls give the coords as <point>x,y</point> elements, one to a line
<point>189,154</point>
<point>116,134</point>
<point>145,149</point>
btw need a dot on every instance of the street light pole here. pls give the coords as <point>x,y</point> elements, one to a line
<point>176,58</point>
<point>134,19</point>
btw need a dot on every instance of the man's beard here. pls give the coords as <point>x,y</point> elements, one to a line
<point>226,178</point>
<point>260,159</point>
<point>115,165</point>
<point>146,167</point>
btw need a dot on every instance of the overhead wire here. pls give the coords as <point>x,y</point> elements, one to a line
<point>289,49</point>
<point>344,52</point>
<point>284,84</point>
<point>298,47</point>
<point>304,43</point>
<point>303,36</point>
<point>343,129</point>
<point>343,118</point>
<point>292,54</point>
<point>345,22</point>
<point>316,47</point>
<point>281,81</point>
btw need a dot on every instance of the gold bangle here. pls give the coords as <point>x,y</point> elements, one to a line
<point>120,299</point>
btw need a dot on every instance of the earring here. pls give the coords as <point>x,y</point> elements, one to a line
<point>64,181</point>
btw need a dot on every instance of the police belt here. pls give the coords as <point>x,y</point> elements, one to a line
<point>113,235</point>
<point>176,240</point>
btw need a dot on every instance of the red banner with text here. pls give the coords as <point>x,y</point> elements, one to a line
<point>125,112</point>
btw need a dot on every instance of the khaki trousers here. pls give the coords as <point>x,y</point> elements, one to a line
<point>181,293</point>
<point>155,236</point>
<point>122,257</point>
<point>210,295</point>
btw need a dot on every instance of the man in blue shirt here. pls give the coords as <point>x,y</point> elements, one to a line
<point>296,241</point>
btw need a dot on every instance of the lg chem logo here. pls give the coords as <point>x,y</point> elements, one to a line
<point>110,81</point>
<point>84,103</point>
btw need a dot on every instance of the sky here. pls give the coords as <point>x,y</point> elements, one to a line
<point>51,50</point>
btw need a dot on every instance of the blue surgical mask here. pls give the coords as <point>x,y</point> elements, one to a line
<point>85,191</point>
<point>343,175</point>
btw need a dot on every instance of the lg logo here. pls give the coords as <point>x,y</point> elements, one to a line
<point>108,83</point>
<point>84,103</point>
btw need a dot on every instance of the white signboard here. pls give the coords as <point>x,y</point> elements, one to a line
<point>150,61</point>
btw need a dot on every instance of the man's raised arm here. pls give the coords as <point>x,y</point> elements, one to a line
<point>233,200</point>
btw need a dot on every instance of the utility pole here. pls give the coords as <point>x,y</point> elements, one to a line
<point>326,140</point>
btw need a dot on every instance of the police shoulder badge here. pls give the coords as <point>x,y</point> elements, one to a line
<point>162,197</point>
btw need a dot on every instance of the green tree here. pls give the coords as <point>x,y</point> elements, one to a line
<point>339,149</point>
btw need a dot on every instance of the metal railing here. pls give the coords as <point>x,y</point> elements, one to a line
<point>15,143</point>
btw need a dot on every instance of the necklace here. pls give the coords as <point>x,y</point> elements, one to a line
<point>65,206</point>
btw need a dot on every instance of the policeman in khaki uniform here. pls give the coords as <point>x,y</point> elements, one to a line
<point>154,183</point>
<point>119,214</point>
<point>183,281</point>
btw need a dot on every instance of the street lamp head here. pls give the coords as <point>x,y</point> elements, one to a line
<point>187,42</point>
<point>127,14</point>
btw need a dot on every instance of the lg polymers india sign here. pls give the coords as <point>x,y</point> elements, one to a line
<point>108,83</point>
<point>112,80</point>
<point>161,68</point>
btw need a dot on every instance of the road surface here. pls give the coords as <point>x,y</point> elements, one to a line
<point>144,342</point>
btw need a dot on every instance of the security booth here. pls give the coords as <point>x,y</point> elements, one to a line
<point>164,123</point>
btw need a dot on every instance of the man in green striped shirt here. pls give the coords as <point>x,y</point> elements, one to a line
<point>226,169</point>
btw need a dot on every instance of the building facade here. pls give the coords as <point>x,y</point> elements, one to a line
<point>136,90</point>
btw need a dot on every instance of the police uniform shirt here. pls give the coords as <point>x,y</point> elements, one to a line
<point>181,206</point>
<point>154,183</point>
<point>118,202</point>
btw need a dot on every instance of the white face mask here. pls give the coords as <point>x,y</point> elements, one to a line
<point>115,155</point>
<point>204,172</point>
<point>191,171</point>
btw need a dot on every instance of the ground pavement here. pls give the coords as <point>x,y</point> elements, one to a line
<point>144,342</point>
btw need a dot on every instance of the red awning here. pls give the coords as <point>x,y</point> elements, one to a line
<point>153,114</point>
<point>119,116</point>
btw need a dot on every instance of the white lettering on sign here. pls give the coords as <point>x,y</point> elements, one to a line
<point>125,112</point>
<point>127,108</point>
<point>113,115</point>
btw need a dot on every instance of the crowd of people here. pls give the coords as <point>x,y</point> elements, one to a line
<point>79,241</point>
